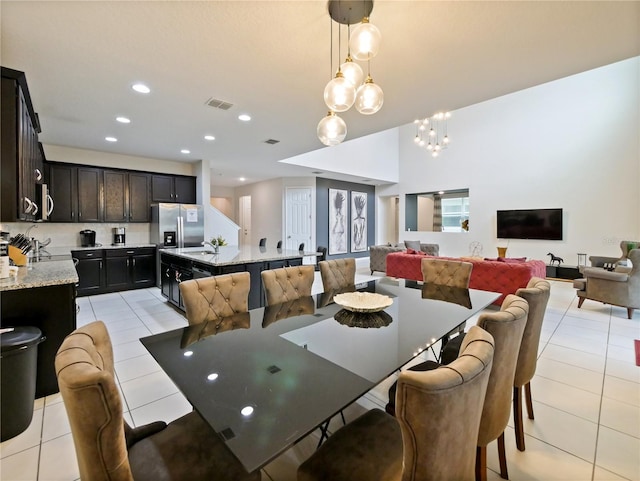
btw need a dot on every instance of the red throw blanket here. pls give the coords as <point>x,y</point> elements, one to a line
<point>505,276</point>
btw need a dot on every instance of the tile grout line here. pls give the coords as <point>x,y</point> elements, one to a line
<point>604,379</point>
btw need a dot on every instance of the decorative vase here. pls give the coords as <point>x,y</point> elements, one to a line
<point>502,252</point>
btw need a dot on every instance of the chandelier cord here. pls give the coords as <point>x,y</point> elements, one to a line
<point>331,48</point>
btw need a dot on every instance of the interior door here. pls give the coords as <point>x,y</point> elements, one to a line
<point>245,219</point>
<point>298,221</point>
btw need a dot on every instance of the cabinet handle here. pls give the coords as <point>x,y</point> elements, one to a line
<point>134,262</point>
<point>100,265</point>
<point>89,255</point>
<point>38,174</point>
<point>167,273</point>
<point>50,205</point>
<point>127,262</point>
<point>28,205</point>
<point>129,252</point>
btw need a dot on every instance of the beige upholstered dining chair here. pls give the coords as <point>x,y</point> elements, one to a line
<point>506,326</point>
<point>287,284</point>
<point>107,449</point>
<point>210,298</point>
<point>298,307</point>
<point>446,272</point>
<point>537,295</point>
<point>434,436</point>
<point>337,273</point>
<point>620,287</point>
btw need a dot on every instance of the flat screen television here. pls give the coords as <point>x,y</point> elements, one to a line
<point>542,224</point>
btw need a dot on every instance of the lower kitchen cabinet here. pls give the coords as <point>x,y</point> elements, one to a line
<point>90,269</point>
<point>172,275</point>
<point>112,270</point>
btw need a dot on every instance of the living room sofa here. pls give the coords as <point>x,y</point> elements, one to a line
<point>378,254</point>
<point>504,275</point>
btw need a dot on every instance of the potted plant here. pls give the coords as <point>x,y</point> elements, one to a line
<point>218,242</point>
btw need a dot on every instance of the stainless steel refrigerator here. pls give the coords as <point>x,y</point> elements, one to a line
<point>176,225</point>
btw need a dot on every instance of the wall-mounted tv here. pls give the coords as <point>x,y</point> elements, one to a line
<point>542,224</point>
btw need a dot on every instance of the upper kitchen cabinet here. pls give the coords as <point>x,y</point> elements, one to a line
<point>126,196</point>
<point>63,189</point>
<point>90,203</point>
<point>173,188</point>
<point>21,154</point>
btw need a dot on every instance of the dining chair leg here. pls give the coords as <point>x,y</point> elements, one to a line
<point>630,312</point>
<point>517,417</point>
<point>502,457</point>
<point>481,463</point>
<point>324,429</point>
<point>527,394</point>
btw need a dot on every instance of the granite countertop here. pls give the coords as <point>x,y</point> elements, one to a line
<point>230,255</point>
<point>57,270</point>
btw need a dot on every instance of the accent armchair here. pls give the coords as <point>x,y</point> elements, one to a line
<point>625,247</point>
<point>620,287</point>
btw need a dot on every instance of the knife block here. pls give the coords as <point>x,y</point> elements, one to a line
<point>17,256</point>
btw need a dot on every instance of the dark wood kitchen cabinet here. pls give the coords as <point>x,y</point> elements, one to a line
<point>139,197</point>
<point>90,203</point>
<point>126,196</point>
<point>90,269</point>
<point>21,153</point>
<point>129,268</point>
<point>173,188</point>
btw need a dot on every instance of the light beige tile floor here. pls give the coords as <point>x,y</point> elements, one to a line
<point>586,395</point>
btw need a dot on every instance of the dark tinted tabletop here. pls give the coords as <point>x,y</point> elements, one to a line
<point>265,379</point>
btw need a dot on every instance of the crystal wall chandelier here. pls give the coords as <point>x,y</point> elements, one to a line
<point>431,133</point>
<point>349,86</point>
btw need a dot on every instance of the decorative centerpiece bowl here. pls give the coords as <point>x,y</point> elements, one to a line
<point>362,301</point>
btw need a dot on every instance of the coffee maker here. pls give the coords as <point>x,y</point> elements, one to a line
<point>118,236</point>
<point>88,238</point>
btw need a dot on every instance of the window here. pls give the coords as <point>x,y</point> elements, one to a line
<point>455,210</point>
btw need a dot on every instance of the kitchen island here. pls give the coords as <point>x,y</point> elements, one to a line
<point>177,265</point>
<point>42,295</point>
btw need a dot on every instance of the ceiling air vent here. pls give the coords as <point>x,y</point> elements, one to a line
<point>271,141</point>
<point>219,104</point>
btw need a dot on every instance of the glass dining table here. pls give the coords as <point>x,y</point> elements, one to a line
<point>265,379</point>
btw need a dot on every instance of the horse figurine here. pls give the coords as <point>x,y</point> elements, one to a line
<point>557,259</point>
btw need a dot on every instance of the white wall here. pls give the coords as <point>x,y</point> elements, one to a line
<point>573,143</point>
<point>105,159</point>
<point>371,157</point>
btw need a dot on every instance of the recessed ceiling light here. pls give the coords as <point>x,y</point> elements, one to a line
<point>185,151</point>
<point>246,411</point>
<point>110,139</point>
<point>209,137</point>
<point>123,120</point>
<point>242,179</point>
<point>141,88</point>
<point>441,192</point>
<point>244,117</point>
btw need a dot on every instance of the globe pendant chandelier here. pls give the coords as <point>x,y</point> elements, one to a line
<point>349,87</point>
<point>432,133</point>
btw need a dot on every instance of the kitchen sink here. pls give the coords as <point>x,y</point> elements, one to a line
<point>201,253</point>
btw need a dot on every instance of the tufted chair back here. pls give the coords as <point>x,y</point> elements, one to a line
<point>446,272</point>
<point>84,366</point>
<point>439,412</point>
<point>506,326</point>
<point>537,295</point>
<point>210,298</point>
<point>337,273</point>
<point>287,284</point>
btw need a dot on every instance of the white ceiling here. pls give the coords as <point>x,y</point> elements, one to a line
<point>271,59</point>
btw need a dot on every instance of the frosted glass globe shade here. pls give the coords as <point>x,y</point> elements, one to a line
<point>331,130</point>
<point>369,98</point>
<point>364,42</point>
<point>352,72</point>
<point>339,94</point>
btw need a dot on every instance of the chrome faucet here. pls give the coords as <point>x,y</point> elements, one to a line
<point>214,247</point>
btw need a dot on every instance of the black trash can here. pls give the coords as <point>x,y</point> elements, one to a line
<point>19,346</point>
